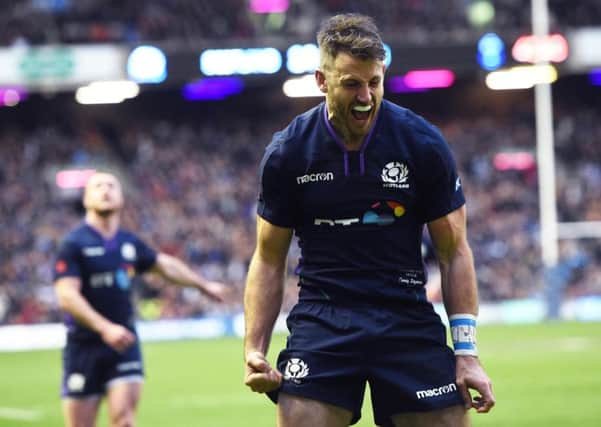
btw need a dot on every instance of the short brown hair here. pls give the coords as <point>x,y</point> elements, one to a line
<point>352,33</point>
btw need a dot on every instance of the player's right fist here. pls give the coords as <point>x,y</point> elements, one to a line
<point>260,376</point>
<point>118,337</point>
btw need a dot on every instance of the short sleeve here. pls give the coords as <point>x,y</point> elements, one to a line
<point>275,201</point>
<point>442,192</point>
<point>146,257</point>
<point>67,263</point>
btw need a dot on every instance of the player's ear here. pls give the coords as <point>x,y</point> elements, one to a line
<point>320,78</point>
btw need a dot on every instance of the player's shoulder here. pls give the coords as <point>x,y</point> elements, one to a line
<point>127,237</point>
<point>300,130</point>
<point>126,234</point>
<point>411,123</point>
<point>78,235</point>
<point>291,146</point>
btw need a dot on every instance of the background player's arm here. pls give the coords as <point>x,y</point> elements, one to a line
<point>68,291</point>
<point>262,302</point>
<point>178,273</point>
<point>460,296</point>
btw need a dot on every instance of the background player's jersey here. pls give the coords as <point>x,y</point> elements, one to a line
<point>359,215</point>
<point>105,268</point>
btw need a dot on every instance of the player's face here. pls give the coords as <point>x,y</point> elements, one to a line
<point>354,90</point>
<point>103,194</point>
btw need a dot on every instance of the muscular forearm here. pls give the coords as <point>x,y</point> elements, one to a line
<point>460,293</point>
<point>262,302</point>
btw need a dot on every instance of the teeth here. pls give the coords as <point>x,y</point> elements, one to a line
<point>362,108</point>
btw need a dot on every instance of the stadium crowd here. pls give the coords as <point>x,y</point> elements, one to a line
<point>191,187</point>
<point>98,21</point>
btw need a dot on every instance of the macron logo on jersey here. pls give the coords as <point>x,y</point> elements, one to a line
<point>315,177</point>
<point>91,251</point>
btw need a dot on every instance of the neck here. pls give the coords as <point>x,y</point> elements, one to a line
<point>351,142</point>
<point>106,225</point>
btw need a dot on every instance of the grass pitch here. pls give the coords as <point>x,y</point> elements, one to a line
<point>546,375</point>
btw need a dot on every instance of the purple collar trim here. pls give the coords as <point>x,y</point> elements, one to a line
<point>345,152</point>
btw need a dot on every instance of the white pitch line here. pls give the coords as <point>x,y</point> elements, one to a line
<point>29,415</point>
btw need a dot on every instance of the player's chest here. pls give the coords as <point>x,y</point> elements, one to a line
<point>353,183</point>
<point>105,257</point>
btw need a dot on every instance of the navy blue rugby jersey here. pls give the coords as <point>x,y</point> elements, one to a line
<point>105,268</point>
<point>359,215</point>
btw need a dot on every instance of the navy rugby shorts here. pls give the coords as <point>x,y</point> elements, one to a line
<point>333,350</point>
<point>90,367</point>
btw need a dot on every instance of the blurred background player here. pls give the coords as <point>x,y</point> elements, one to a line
<point>93,273</point>
<point>356,178</point>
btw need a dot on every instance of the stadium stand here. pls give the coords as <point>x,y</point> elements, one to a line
<point>97,21</point>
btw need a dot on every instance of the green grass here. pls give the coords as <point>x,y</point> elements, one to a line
<point>544,376</point>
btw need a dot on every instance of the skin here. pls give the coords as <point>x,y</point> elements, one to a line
<point>349,82</point>
<point>460,295</point>
<point>103,200</point>
<point>262,302</point>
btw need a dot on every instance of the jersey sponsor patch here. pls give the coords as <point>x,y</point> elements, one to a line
<point>102,280</point>
<point>122,279</point>
<point>379,213</point>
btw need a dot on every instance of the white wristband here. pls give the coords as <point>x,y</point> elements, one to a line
<point>463,333</point>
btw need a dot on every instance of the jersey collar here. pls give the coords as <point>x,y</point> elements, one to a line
<point>341,145</point>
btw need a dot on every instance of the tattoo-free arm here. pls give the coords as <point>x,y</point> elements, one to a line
<point>460,296</point>
<point>262,302</point>
<point>458,276</point>
<point>179,273</point>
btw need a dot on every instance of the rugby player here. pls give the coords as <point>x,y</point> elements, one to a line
<point>356,179</point>
<point>93,272</point>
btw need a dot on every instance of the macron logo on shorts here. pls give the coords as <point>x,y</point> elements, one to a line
<point>437,391</point>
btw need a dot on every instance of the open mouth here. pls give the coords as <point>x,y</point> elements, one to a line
<point>361,112</point>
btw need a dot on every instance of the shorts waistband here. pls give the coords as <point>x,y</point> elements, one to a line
<point>311,293</point>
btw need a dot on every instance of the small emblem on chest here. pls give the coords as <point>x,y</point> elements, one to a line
<point>395,175</point>
<point>128,251</point>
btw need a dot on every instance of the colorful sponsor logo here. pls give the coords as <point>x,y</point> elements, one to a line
<point>379,213</point>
